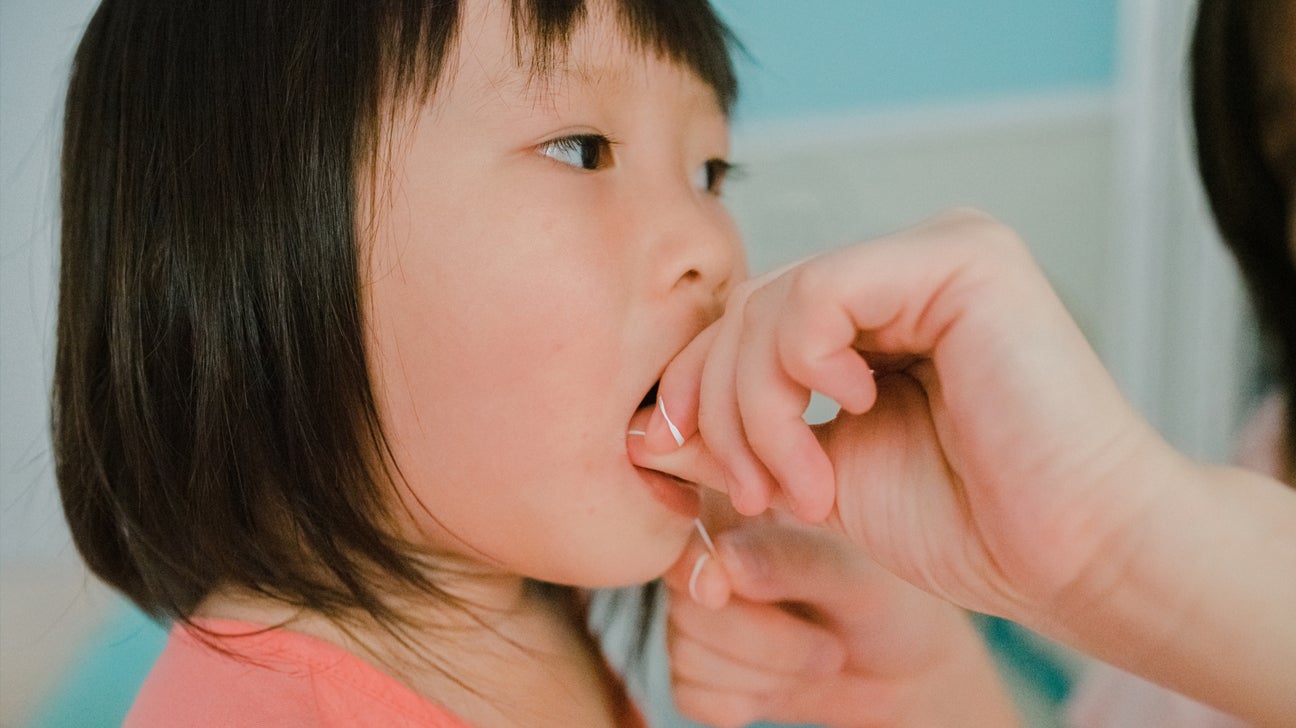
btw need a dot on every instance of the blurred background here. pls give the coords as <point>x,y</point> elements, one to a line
<point>1064,118</point>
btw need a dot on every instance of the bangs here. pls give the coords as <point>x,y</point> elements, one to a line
<point>419,35</point>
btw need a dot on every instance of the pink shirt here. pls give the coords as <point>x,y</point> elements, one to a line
<point>278,678</point>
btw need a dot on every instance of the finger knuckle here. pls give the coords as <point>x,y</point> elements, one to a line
<point>740,293</point>
<point>1002,241</point>
<point>985,245</point>
<point>752,316</point>
<point>987,232</point>
<point>966,214</point>
<point>809,282</point>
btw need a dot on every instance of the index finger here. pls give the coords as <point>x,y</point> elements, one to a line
<point>675,418</point>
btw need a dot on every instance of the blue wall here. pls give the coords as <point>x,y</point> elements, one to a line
<point>818,57</point>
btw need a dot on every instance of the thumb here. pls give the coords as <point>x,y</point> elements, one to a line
<point>771,562</point>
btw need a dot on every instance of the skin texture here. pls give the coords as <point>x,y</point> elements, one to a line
<point>991,461</point>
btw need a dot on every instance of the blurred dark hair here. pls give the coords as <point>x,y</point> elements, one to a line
<point>1245,191</point>
<point>213,420</point>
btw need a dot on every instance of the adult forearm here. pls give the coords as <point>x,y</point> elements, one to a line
<point>1202,597</point>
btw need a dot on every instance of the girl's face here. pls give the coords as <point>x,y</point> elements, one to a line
<point>545,245</point>
<point>1276,60</point>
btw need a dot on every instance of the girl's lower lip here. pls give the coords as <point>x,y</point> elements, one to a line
<point>676,495</point>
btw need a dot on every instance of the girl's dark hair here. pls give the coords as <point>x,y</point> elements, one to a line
<point>1245,191</point>
<point>213,419</point>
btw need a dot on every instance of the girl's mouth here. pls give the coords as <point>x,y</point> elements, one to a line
<point>650,399</point>
<point>677,494</point>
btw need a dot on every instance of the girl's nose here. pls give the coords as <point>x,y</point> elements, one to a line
<point>696,249</point>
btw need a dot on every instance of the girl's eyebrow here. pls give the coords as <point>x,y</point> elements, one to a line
<point>603,76</point>
<point>596,75</point>
<point>587,76</point>
<point>563,79</point>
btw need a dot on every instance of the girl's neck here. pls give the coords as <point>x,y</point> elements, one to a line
<point>513,652</point>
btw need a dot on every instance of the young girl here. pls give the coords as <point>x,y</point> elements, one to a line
<point>357,301</point>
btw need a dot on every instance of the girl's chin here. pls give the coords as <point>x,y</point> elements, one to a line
<point>635,568</point>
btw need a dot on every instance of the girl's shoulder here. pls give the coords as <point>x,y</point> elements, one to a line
<point>227,673</point>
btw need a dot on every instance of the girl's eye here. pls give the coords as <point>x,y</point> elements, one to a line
<point>711,175</point>
<point>584,151</point>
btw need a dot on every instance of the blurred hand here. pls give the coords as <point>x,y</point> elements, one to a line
<point>797,625</point>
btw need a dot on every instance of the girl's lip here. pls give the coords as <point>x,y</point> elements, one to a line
<point>676,494</point>
<point>679,496</point>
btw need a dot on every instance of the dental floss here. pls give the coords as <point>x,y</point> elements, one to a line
<point>697,569</point>
<point>706,537</point>
<point>679,439</point>
<point>697,565</point>
<point>697,522</point>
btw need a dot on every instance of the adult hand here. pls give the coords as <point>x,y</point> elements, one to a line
<point>989,435</point>
<point>984,455</point>
<point>797,625</point>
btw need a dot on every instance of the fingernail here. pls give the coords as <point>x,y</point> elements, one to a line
<point>674,431</point>
<point>693,578</point>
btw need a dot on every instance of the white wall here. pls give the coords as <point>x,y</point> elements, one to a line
<point>36,42</point>
<point>1041,163</point>
<point>46,606</point>
<point>1183,341</point>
